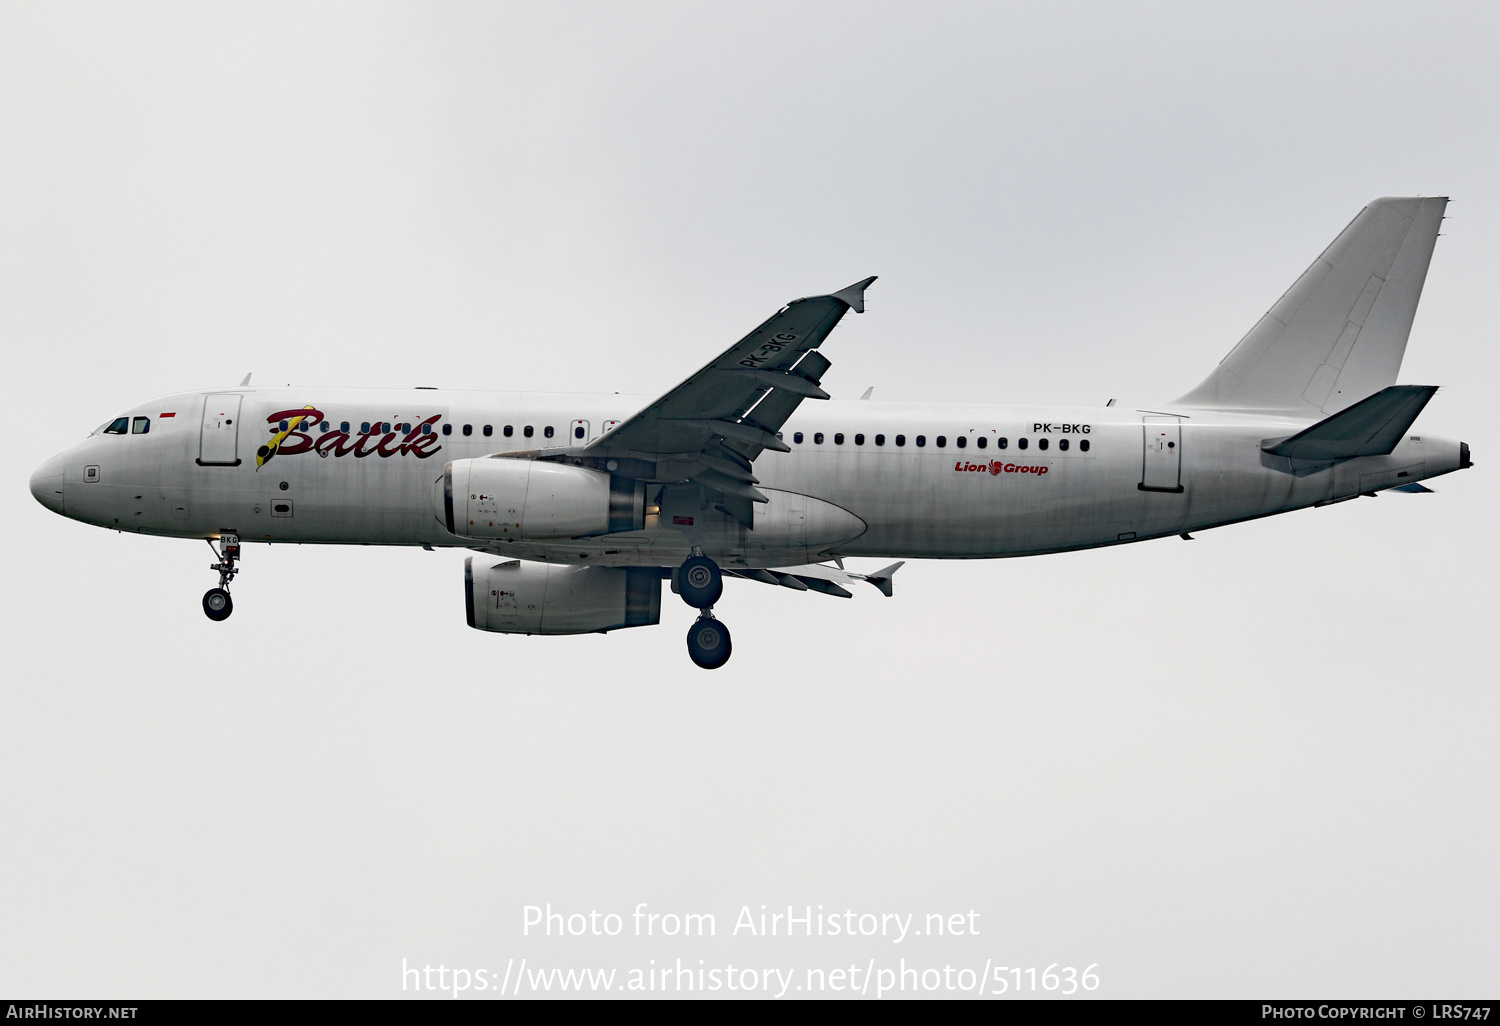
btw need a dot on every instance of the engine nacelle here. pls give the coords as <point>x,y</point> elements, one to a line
<point>513,597</point>
<point>526,499</point>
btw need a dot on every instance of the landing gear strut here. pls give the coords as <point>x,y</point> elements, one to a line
<point>217,605</point>
<point>700,583</point>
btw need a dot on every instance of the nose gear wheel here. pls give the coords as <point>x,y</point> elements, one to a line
<point>217,605</point>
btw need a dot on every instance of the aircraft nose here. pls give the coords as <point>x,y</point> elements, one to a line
<point>47,484</point>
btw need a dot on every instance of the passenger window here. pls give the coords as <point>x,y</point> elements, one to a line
<point>323,427</point>
<point>406,429</point>
<point>578,431</point>
<point>385,427</point>
<point>364,428</point>
<point>797,437</point>
<point>1001,443</point>
<point>468,430</point>
<point>859,439</point>
<point>282,425</point>
<point>488,430</point>
<point>1062,444</point>
<point>1020,443</point>
<point>344,427</point>
<point>547,432</point>
<point>1083,446</point>
<point>818,438</point>
<point>447,429</point>
<point>981,441</point>
<point>921,440</point>
<point>880,439</point>
<point>528,431</point>
<point>838,439</point>
<point>960,441</point>
<point>900,439</point>
<point>140,425</point>
<point>942,441</point>
<point>1041,443</point>
<point>426,429</point>
<point>509,430</point>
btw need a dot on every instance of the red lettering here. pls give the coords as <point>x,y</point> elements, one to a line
<point>381,449</point>
<point>331,443</point>
<point>360,452</point>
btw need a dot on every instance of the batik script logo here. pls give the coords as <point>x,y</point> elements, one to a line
<point>295,437</point>
<point>996,467</point>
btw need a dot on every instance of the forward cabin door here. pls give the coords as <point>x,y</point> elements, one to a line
<point>1161,462</point>
<point>218,439</point>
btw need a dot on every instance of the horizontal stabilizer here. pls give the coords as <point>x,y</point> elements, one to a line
<point>1371,427</point>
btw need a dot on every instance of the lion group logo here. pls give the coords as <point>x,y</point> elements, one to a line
<point>997,467</point>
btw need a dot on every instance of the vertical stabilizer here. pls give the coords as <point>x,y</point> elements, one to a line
<point>1339,333</point>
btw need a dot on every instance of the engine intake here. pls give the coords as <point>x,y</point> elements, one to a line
<point>543,598</point>
<point>525,499</point>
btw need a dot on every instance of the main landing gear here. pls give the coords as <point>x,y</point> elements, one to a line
<point>217,605</point>
<point>700,583</point>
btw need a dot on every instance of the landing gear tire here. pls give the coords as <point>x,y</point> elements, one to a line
<point>217,605</point>
<point>700,583</point>
<point>708,643</point>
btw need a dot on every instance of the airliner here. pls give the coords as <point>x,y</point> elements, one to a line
<point>578,507</point>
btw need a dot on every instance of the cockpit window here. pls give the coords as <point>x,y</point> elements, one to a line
<point>140,425</point>
<point>118,426</point>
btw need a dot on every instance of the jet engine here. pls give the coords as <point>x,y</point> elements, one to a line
<point>524,499</point>
<point>513,597</point>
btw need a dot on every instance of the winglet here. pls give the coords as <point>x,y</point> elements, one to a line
<point>882,578</point>
<point>854,295</point>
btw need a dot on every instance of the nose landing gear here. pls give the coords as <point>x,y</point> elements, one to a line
<point>700,583</point>
<point>217,605</point>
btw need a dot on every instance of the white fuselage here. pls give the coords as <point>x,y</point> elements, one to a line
<point>885,479</point>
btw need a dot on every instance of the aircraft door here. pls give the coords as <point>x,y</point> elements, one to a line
<point>796,528</point>
<point>1161,461</point>
<point>579,434</point>
<point>218,438</point>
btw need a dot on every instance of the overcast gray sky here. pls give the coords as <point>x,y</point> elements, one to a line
<point>1259,764</point>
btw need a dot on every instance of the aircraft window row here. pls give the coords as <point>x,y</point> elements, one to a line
<point>489,429</point>
<point>143,424</point>
<point>941,441</point>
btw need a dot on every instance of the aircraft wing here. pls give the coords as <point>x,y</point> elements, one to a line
<point>711,428</point>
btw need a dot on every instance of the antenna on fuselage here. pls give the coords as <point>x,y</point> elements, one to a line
<point>247,380</point>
